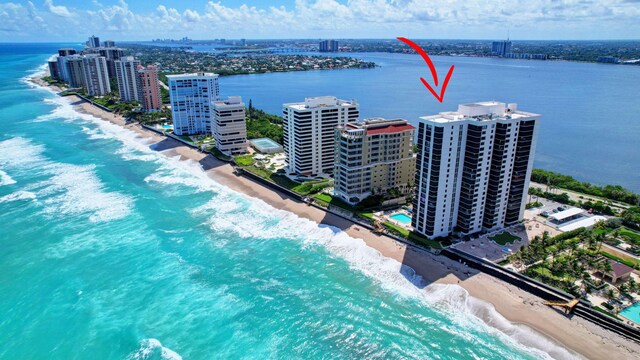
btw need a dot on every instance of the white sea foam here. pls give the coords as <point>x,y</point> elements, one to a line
<point>151,349</point>
<point>95,133</point>
<point>20,153</point>
<point>18,195</point>
<point>5,179</point>
<point>459,305</point>
<point>37,72</point>
<point>78,190</point>
<point>66,189</point>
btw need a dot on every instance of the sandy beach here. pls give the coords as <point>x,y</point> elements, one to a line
<point>517,306</point>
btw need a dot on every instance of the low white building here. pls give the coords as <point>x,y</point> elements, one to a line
<point>230,126</point>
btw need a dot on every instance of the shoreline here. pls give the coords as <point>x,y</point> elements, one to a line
<point>515,305</point>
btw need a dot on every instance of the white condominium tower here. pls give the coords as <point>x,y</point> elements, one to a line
<point>373,156</point>
<point>309,133</point>
<point>192,97</point>
<point>96,75</point>
<point>230,126</point>
<point>128,79</point>
<point>473,168</point>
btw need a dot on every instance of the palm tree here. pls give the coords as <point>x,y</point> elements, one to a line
<point>599,240</point>
<point>633,286</point>
<point>624,289</point>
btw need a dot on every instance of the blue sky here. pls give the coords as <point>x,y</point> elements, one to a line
<point>74,20</point>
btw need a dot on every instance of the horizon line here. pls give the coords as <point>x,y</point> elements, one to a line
<point>318,39</point>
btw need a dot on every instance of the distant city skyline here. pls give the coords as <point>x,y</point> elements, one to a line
<point>74,20</point>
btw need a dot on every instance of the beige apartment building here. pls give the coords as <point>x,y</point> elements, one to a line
<point>230,126</point>
<point>373,156</point>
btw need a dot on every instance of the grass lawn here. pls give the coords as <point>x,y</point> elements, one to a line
<point>366,215</point>
<point>333,201</point>
<point>504,238</point>
<point>185,138</point>
<point>419,239</point>
<point>629,262</point>
<point>217,153</point>
<point>629,236</point>
<point>599,309</point>
<point>244,160</point>
<point>397,229</point>
<point>412,236</point>
<point>546,272</point>
<point>602,231</point>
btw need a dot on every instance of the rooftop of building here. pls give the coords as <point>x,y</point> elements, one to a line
<point>380,126</point>
<point>230,101</point>
<point>126,59</point>
<point>620,269</point>
<point>320,101</point>
<point>562,215</point>
<point>481,111</point>
<point>192,75</point>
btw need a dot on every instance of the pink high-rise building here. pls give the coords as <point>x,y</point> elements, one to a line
<point>149,88</point>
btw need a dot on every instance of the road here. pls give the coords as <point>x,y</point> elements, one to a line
<point>575,196</point>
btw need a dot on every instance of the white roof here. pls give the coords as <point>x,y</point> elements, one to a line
<point>565,214</point>
<point>484,111</point>
<point>586,222</point>
<point>199,75</point>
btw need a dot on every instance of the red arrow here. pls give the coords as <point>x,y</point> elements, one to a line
<point>427,59</point>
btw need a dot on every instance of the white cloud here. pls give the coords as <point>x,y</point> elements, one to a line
<point>33,14</point>
<point>57,10</point>
<point>191,15</point>
<point>332,18</point>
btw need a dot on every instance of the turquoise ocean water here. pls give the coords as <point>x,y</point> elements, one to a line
<point>110,250</point>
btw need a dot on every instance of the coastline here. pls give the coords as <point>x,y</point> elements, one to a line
<point>515,305</point>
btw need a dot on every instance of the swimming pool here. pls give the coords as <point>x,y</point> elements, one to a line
<point>266,145</point>
<point>167,127</point>
<point>401,218</point>
<point>632,313</point>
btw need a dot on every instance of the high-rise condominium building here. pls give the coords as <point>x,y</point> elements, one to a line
<point>54,72</point>
<point>62,62</point>
<point>329,46</point>
<point>93,42</point>
<point>192,97</point>
<point>111,55</point>
<point>501,48</point>
<point>109,43</point>
<point>473,168</point>
<point>128,79</point>
<point>62,68</point>
<point>96,75</point>
<point>75,71</point>
<point>373,156</point>
<point>150,96</point>
<point>230,126</point>
<point>66,52</point>
<point>309,133</point>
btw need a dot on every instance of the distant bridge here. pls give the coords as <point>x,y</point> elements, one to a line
<point>288,50</point>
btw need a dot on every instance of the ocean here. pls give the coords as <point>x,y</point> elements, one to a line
<point>111,250</point>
